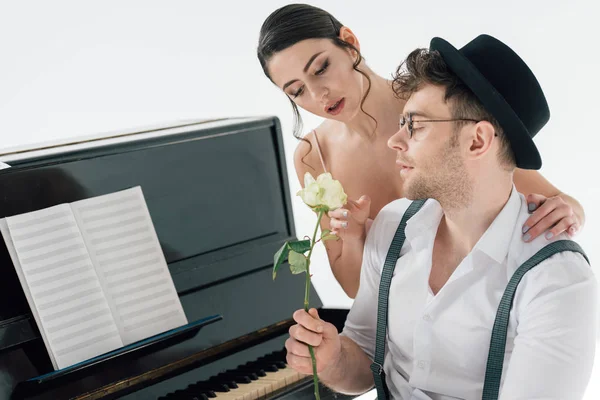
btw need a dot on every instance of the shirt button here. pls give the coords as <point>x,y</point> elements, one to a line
<point>422,364</point>
<point>427,318</point>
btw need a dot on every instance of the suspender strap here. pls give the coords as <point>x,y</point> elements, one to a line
<point>493,372</point>
<point>384,290</point>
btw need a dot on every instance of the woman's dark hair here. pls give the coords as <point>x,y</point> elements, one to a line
<point>293,23</point>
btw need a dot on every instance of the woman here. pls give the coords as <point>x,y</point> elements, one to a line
<point>317,63</point>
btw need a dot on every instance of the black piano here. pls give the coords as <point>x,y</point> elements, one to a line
<point>219,199</point>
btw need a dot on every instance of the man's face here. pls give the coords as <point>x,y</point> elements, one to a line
<point>431,162</point>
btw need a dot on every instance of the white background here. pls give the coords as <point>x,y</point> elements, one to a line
<point>77,68</point>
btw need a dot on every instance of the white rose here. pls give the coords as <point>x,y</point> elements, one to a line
<point>311,194</point>
<point>324,192</point>
<point>333,193</point>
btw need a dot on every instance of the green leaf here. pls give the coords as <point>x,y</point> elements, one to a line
<point>280,257</point>
<point>327,235</point>
<point>300,246</point>
<point>298,262</point>
<point>330,237</point>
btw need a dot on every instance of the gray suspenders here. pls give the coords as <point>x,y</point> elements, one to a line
<point>493,373</point>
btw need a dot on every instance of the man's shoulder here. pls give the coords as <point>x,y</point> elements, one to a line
<point>560,269</point>
<point>522,251</point>
<point>564,277</point>
<point>557,269</point>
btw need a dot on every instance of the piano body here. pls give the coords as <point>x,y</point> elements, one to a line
<point>219,199</point>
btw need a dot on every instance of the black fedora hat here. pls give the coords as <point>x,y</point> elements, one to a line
<point>506,87</point>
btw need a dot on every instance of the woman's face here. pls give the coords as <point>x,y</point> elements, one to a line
<point>319,77</point>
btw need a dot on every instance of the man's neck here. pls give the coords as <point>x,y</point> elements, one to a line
<point>463,225</point>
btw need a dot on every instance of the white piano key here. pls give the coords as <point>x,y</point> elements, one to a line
<point>264,386</point>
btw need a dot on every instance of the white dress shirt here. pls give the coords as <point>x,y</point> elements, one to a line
<point>437,345</point>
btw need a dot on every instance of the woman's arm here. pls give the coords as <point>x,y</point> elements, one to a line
<point>554,211</point>
<point>345,254</point>
<point>351,225</point>
<point>345,258</point>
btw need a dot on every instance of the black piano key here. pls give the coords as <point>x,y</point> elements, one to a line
<point>195,396</point>
<point>252,375</point>
<point>226,380</point>
<point>181,395</point>
<point>209,393</point>
<point>232,384</point>
<point>278,357</point>
<point>229,379</point>
<point>258,368</point>
<point>231,376</point>
<point>259,372</point>
<point>278,354</point>
<point>269,367</point>
<point>238,376</point>
<point>255,365</point>
<point>266,366</point>
<point>195,388</point>
<point>196,392</point>
<point>277,363</point>
<point>242,379</point>
<point>213,386</point>
<point>190,396</point>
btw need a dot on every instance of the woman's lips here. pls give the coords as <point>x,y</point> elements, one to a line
<point>335,108</point>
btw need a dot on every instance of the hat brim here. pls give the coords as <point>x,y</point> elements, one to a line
<point>526,153</point>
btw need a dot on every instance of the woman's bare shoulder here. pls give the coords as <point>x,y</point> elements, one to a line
<point>306,157</point>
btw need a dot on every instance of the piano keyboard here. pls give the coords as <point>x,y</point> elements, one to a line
<point>260,379</point>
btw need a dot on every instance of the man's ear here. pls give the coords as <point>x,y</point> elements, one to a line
<point>349,37</point>
<point>481,138</point>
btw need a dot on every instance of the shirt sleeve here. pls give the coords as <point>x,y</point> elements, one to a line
<point>361,323</point>
<point>555,338</point>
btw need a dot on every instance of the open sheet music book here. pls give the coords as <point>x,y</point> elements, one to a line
<point>94,275</point>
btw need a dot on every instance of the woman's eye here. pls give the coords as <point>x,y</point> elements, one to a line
<point>323,68</point>
<point>298,92</point>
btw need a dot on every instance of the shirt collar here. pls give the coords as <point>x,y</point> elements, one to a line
<point>496,239</point>
<point>425,221</point>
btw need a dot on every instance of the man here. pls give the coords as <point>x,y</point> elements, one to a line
<point>468,122</point>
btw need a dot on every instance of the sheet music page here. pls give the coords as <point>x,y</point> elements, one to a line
<point>61,285</point>
<point>125,250</point>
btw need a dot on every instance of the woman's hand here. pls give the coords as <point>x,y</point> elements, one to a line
<point>551,214</point>
<point>349,222</point>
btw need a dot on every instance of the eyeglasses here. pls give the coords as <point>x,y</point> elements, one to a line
<point>404,120</point>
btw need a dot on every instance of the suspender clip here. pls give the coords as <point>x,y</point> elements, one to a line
<point>377,368</point>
